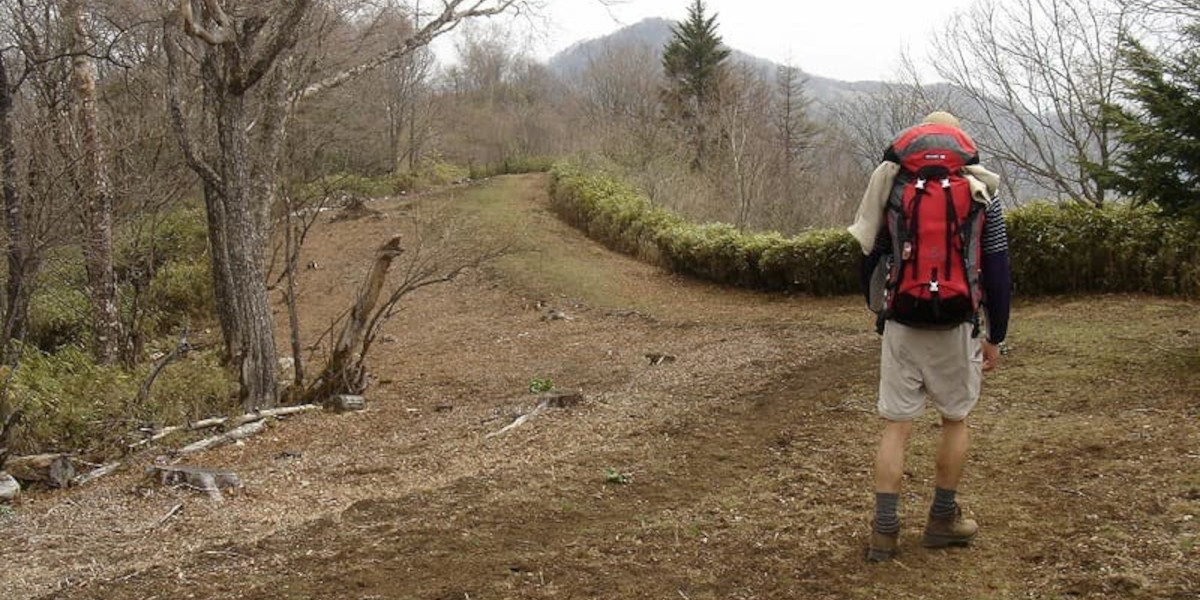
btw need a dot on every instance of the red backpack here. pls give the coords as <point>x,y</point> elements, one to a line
<point>935,225</point>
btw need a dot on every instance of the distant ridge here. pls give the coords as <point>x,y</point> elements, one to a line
<point>656,31</point>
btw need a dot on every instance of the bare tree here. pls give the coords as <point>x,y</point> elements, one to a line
<point>94,189</point>
<point>868,121</point>
<point>410,110</point>
<point>19,247</point>
<point>240,49</point>
<point>743,112</point>
<point>794,131</point>
<point>1034,73</point>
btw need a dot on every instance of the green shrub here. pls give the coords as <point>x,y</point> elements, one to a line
<point>440,173</point>
<point>1054,248</point>
<point>192,388</point>
<point>1071,248</point>
<point>146,244</point>
<point>58,316</point>
<point>611,212</point>
<point>514,165</point>
<point>353,184</point>
<point>59,307</point>
<point>180,291</point>
<point>68,403</point>
<point>820,262</point>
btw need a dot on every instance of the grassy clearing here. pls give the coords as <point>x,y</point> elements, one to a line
<point>543,259</point>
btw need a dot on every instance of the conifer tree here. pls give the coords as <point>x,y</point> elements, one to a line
<point>1160,160</point>
<point>694,66</point>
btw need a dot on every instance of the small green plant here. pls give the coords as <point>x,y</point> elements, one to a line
<point>6,511</point>
<point>616,477</point>
<point>540,385</point>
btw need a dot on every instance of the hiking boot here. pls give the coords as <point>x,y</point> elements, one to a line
<point>883,546</point>
<point>952,530</point>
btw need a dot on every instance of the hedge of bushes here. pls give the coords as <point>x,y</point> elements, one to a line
<point>1054,248</point>
<point>1071,248</point>
<point>819,262</point>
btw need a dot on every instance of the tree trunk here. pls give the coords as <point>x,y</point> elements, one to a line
<point>343,373</point>
<point>214,210</point>
<point>242,49</point>
<point>246,243</point>
<point>20,258</point>
<point>97,195</point>
<point>293,239</point>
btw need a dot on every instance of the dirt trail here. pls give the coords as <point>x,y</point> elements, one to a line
<point>747,457</point>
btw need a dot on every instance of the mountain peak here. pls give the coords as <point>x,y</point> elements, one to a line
<point>655,32</point>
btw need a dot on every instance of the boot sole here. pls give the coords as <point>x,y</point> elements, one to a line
<point>875,555</point>
<point>945,541</point>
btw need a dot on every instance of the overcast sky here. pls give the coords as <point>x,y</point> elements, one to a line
<point>843,39</point>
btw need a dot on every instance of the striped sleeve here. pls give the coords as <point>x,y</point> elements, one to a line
<point>997,273</point>
<point>995,234</point>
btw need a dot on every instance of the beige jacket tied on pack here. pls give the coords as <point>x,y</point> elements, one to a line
<point>869,218</point>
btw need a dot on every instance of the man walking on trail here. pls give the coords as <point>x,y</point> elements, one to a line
<point>936,261</point>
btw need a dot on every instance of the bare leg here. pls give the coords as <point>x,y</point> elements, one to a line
<point>889,462</point>
<point>952,454</point>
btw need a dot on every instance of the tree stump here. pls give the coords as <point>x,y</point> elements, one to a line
<point>562,399</point>
<point>209,481</point>
<point>342,403</point>
<point>9,488</point>
<point>53,470</point>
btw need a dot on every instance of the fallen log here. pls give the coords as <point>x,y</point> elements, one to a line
<point>96,473</point>
<point>519,420</point>
<point>53,470</point>
<point>219,421</point>
<point>552,399</point>
<point>233,435</point>
<point>209,481</point>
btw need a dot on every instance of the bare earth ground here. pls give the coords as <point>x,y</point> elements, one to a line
<point>748,458</point>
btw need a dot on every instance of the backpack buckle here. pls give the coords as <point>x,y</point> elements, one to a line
<point>920,184</point>
<point>933,287</point>
<point>946,183</point>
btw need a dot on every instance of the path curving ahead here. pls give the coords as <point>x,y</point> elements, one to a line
<point>737,468</point>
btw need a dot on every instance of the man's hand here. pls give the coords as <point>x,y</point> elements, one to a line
<point>991,355</point>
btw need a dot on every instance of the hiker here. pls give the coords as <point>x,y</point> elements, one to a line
<point>936,273</point>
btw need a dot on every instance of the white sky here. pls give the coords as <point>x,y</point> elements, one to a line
<point>843,39</point>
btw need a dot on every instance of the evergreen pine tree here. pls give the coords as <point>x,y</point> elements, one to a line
<point>694,66</point>
<point>1160,129</point>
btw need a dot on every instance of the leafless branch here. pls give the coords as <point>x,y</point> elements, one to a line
<point>213,26</point>
<point>453,13</point>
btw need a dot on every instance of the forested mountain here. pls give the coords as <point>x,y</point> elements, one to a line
<point>655,32</point>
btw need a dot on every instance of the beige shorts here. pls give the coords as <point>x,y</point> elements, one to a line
<point>945,365</point>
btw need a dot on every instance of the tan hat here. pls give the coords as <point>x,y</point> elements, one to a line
<point>941,117</point>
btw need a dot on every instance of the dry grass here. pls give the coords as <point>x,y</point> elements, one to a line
<point>748,456</point>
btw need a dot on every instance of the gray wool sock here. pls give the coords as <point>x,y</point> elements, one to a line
<point>943,503</point>
<point>886,519</point>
